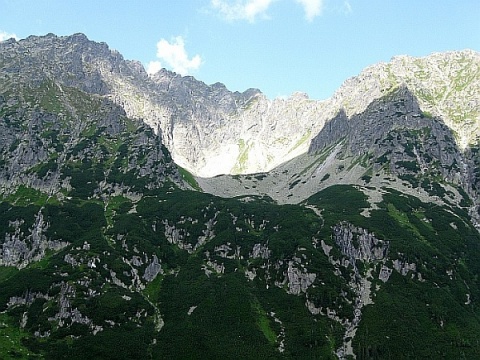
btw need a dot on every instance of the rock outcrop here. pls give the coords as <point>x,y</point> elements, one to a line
<point>20,249</point>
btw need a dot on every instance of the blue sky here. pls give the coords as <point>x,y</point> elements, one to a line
<point>278,46</point>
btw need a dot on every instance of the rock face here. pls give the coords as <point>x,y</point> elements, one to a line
<point>358,247</point>
<point>391,143</point>
<point>20,249</point>
<point>210,130</point>
<point>393,131</point>
<point>358,244</point>
<point>57,115</point>
<point>153,269</point>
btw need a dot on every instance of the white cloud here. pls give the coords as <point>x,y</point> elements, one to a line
<point>175,56</point>
<point>5,36</point>
<point>242,9</point>
<point>251,9</point>
<point>347,7</point>
<point>312,8</point>
<point>153,67</point>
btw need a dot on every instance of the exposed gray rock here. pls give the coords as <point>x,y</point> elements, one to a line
<point>260,251</point>
<point>211,130</point>
<point>19,249</point>
<point>177,236</point>
<point>69,259</point>
<point>355,244</point>
<point>26,299</point>
<point>191,310</point>
<point>385,273</point>
<point>227,252</point>
<point>208,233</point>
<point>281,334</point>
<point>250,274</point>
<point>297,279</point>
<point>404,267</point>
<point>136,261</point>
<point>358,244</point>
<point>212,266</point>
<point>153,269</point>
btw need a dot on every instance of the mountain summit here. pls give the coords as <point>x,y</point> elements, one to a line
<point>210,130</point>
<point>346,228</point>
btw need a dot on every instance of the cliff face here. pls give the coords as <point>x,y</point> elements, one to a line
<point>210,130</point>
<point>396,135</point>
<point>391,143</point>
<point>57,122</point>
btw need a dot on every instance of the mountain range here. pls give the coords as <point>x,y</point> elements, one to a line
<point>156,216</point>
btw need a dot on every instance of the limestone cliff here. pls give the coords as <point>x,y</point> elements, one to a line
<point>210,130</point>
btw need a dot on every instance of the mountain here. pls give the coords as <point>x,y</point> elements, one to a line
<point>335,229</point>
<point>392,143</point>
<point>210,130</point>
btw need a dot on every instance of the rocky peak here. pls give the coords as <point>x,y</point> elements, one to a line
<point>264,133</point>
<point>398,109</point>
<point>210,130</point>
<point>445,85</point>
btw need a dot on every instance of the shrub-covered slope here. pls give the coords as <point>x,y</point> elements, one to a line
<point>181,274</point>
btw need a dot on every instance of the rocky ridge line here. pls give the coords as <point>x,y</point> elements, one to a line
<point>210,130</point>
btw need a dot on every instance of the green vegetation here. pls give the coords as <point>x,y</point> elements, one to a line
<point>50,97</point>
<point>427,114</point>
<point>209,314</point>
<point>7,272</point>
<point>420,233</point>
<point>302,140</point>
<point>189,178</point>
<point>153,289</point>
<point>25,196</point>
<point>45,168</point>
<point>11,336</point>
<point>264,323</point>
<point>366,178</point>
<point>116,204</point>
<point>241,163</point>
<point>409,165</point>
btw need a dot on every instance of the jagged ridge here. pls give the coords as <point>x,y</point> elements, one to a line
<point>210,130</point>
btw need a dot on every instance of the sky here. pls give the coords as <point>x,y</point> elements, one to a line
<point>277,46</point>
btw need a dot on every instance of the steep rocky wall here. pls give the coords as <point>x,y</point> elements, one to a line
<point>210,130</point>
